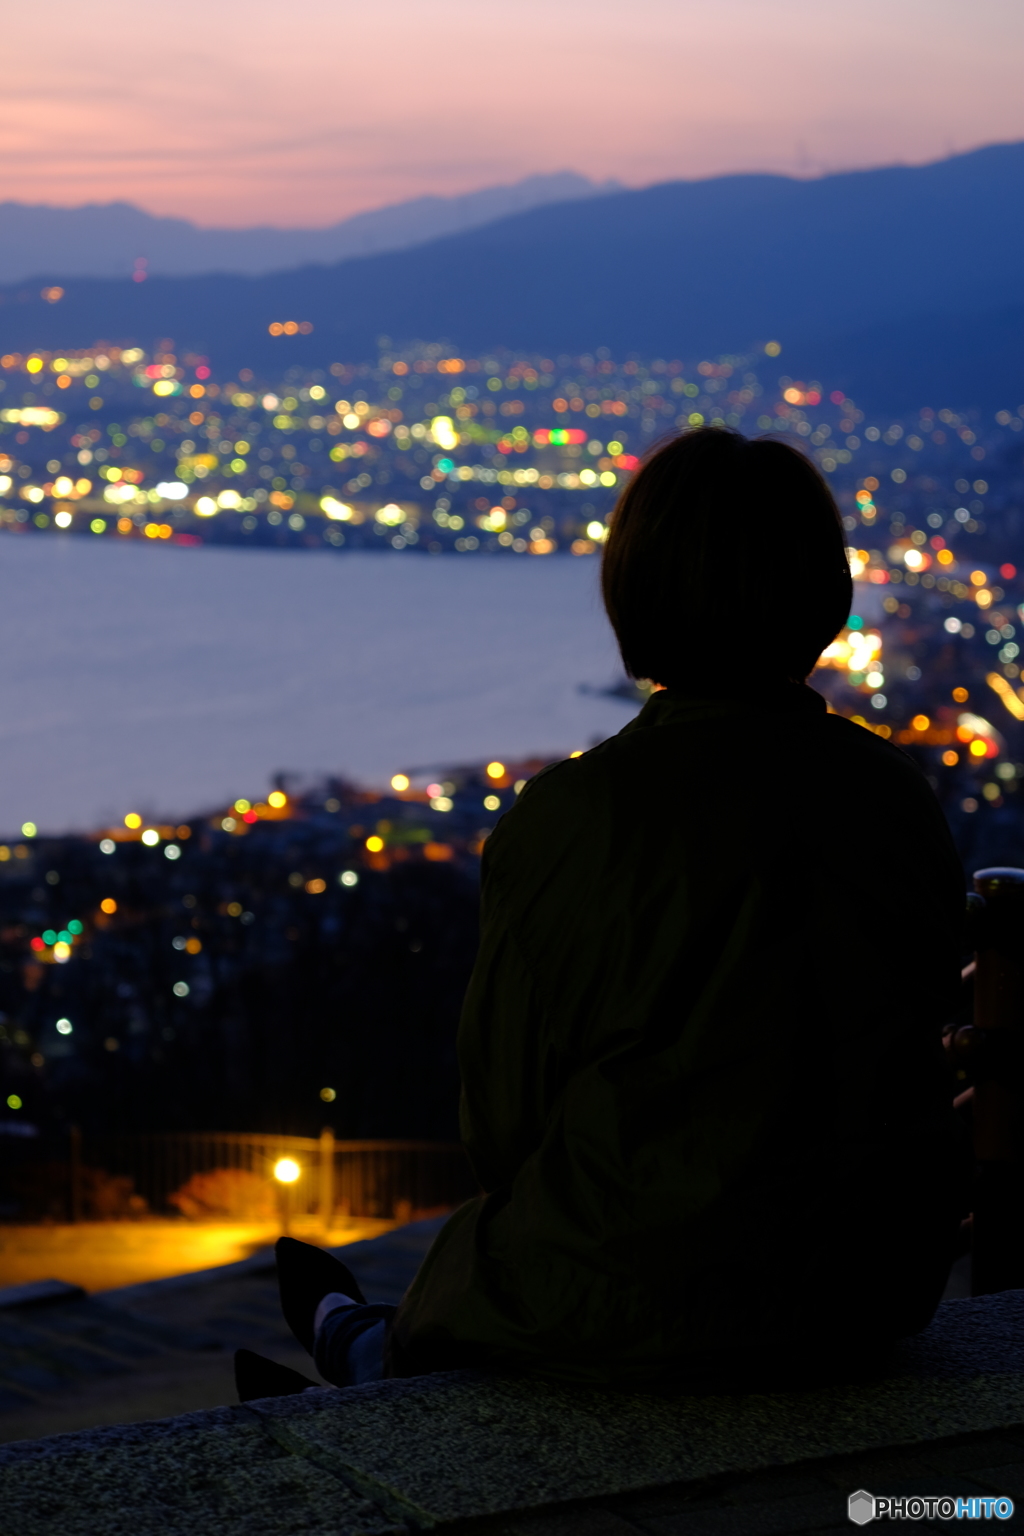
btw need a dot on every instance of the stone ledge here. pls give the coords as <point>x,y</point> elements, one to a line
<point>412,1454</point>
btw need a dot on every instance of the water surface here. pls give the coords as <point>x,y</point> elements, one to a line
<point>169,680</point>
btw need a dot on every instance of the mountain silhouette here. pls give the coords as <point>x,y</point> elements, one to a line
<point>891,281</point>
<point>112,239</point>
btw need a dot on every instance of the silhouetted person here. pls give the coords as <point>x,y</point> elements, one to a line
<point>703,1084</point>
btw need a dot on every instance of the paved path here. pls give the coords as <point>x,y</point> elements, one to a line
<point>101,1255</point>
<point>165,1347</point>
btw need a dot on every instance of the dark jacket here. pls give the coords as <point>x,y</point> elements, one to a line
<point>703,1084</point>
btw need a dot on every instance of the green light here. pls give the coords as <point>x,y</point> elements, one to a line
<point>13,1102</point>
<point>63,937</point>
<point>74,926</point>
<point>855,621</point>
<point>49,936</point>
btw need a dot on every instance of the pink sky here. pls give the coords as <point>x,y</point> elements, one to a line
<point>245,111</point>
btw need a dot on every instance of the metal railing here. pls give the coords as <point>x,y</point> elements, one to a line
<point>990,1051</point>
<point>233,1173</point>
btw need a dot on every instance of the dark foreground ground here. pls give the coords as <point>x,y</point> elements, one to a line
<point>449,1452</point>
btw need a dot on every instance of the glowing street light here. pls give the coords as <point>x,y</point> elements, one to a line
<point>286,1172</point>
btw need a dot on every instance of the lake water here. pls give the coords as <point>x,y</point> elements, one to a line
<point>169,680</point>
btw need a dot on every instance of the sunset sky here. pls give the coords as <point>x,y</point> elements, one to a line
<point>245,111</point>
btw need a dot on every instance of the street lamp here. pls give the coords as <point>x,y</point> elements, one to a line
<point>286,1172</point>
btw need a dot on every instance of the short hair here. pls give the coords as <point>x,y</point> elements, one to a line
<point>714,525</point>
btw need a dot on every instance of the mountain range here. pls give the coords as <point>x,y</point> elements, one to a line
<point>115,239</point>
<point>902,285</point>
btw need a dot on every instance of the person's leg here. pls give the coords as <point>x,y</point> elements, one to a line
<point>328,1314</point>
<point>349,1340</point>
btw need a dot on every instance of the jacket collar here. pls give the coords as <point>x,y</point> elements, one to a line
<point>676,706</point>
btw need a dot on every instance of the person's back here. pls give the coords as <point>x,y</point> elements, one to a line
<point>703,1075</point>
<point>703,1086</point>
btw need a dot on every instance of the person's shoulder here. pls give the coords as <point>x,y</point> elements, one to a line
<point>878,766</point>
<point>554,807</point>
<point>572,782</point>
<point>851,737</point>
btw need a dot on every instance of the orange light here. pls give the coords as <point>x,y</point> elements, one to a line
<point>315,887</point>
<point>437,853</point>
<point>978,578</point>
<point>950,759</point>
<point>961,695</point>
<point>920,722</point>
<point>108,905</point>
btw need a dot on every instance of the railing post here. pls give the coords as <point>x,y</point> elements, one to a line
<point>326,1189</point>
<point>998,1206</point>
<point>75,1172</point>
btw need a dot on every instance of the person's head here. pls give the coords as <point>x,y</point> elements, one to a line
<point>725,553</point>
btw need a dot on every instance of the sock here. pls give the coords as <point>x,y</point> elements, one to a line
<point>332,1302</point>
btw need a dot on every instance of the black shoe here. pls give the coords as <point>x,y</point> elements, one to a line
<point>256,1376</point>
<point>305,1275</point>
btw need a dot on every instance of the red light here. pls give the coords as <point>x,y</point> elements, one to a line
<point>202,372</point>
<point>1007,572</point>
<point>837,397</point>
<point>38,944</point>
<point>250,817</point>
<point>812,397</point>
<point>938,542</point>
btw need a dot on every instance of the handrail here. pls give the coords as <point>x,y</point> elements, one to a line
<point>293,1143</point>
